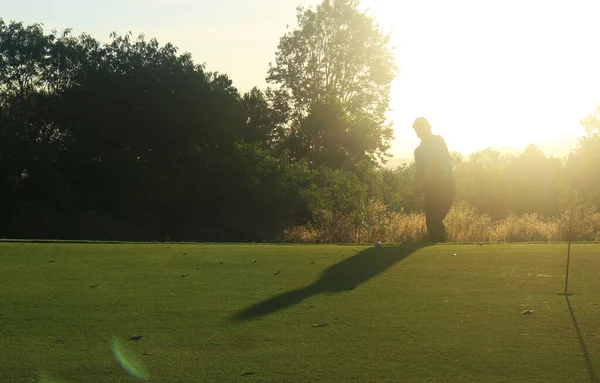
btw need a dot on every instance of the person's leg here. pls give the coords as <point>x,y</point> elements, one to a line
<point>437,206</point>
<point>444,207</point>
<point>434,217</point>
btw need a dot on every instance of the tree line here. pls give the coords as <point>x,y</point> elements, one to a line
<point>131,140</point>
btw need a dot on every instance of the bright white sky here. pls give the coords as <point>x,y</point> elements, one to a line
<point>493,73</point>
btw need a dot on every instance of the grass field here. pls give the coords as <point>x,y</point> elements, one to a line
<point>298,314</point>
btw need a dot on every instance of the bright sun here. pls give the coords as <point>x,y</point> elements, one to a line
<point>501,74</point>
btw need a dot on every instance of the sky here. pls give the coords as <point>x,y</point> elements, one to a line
<point>500,74</point>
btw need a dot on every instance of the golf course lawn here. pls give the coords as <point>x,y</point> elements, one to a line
<point>298,313</point>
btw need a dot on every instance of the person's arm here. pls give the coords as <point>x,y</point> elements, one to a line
<point>419,173</point>
<point>425,165</point>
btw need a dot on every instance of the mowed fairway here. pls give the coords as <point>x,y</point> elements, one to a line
<point>283,313</point>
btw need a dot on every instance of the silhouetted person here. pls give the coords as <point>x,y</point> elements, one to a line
<point>434,178</point>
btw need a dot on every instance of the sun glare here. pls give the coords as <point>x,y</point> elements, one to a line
<point>492,74</point>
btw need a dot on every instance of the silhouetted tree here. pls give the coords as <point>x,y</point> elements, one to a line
<point>333,75</point>
<point>263,122</point>
<point>533,182</point>
<point>583,164</point>
<point>31,142</point>
<point>481,181</point>
<point>131,140</point>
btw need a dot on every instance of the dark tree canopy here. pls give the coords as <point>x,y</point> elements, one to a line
<point>131,140</point>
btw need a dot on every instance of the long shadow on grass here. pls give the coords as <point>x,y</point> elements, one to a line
<point>586,355</point>
<point>343,276</point>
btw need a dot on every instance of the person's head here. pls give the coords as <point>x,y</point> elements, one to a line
<point>422,127</point>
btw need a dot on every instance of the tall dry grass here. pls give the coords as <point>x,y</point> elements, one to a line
<point>463,223</point>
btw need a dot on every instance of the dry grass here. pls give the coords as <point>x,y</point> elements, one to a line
<point>464,224</point>
<point>377,224</point>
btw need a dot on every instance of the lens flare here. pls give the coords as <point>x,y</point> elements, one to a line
<point>128,359</point>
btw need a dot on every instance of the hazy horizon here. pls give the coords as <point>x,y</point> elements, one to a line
<point>558,149</point>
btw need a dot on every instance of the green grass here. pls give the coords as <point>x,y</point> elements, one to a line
<point>395,314</point>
